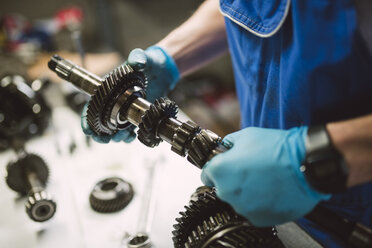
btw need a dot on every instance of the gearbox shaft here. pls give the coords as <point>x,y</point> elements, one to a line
<point>118,101</point>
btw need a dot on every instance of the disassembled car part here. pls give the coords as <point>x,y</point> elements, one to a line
<point>23,111</point>
<point>111,195</point>
<point>28,176</point>
<point>118,101</point>
<point>209,222</point>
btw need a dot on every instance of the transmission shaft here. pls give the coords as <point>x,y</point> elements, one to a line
<point>118,101</point>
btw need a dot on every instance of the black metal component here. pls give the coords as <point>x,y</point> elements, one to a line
<point>352,233</point>
<point>28,176</point>
<point>23,111</point>
<point>111,195</point>
<point>162,109</point>
<point>209,222</point>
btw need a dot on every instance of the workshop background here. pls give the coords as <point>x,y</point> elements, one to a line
<point>45,114</point>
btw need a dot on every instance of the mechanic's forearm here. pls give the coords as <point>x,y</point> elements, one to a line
<point>197,41</point>
<point>353,138</point>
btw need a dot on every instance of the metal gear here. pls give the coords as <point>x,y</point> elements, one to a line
<point>202,146</point>
<point>17,172</point>
<point>183,137</point>
<point>209,222</point>
<point>162,108</point>
<point>40,206</point>
<point>111,195</point>
<point>107,94</point>
<point>28,176</point>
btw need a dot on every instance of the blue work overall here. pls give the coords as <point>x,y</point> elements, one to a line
<point>299,63</point>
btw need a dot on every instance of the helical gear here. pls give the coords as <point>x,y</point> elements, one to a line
<point>209,222</point>
<point>162,108</point>
<point>106,95</point>
<point>202,146</point>
<point>183,137</point>
<point>111,195</point>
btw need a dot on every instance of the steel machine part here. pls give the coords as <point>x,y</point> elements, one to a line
<point>111,195</point>
<point>23,111</point>
<point>118,101</point>
<point>209,222</point>
<point>28,176</point>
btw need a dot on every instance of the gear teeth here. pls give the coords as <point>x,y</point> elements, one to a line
<point>162,108</point>
<point>112,200</point>
<point>113,85</point>
<point>209,220</point>
<point>201,147</point>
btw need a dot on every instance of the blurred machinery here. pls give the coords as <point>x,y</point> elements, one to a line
<point>111,195</point>
<point>28,176</point>
<point>23,111</point>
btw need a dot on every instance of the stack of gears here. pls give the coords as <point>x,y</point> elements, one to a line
<point>209,222</point>
<point>118,102</point>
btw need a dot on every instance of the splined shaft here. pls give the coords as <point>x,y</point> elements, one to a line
<point>118,101</point>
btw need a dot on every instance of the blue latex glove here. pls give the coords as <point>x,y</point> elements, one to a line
<point>159,68</point>
<point>127,135</point>
<point>260,175</point>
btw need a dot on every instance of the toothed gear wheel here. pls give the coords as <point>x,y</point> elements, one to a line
<point>201,147</point>
<point>16,172</point>
<point>40,206</point>
<point>111,195</point>
<point>106,95</point>
<point>162,108</point>
<point>183,137</point>
<point>209,222</point>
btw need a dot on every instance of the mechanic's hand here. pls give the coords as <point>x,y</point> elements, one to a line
<point>260,175</point>
<point>127,135</point>
<point>159,68</point>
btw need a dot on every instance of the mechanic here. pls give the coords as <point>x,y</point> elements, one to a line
<point>303,72</point>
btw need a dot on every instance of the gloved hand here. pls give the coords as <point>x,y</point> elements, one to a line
<point>127,135</point>
<point>260,175</point>
<point>159,68</point>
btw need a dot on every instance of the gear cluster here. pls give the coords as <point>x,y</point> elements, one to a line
<point>209,222</point>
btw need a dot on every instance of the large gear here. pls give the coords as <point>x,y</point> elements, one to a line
<point>106,95</point>
<point>209,222</point>
<point>162,108</point>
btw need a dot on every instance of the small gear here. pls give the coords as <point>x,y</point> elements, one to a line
<point>161,109</point>
<point>201,147</point>
<point>183,136</point>
<point>111,195</point>
<point>106,95</point>
<point>17,176</point>
<point>40,206</point>
<point>209,222</point>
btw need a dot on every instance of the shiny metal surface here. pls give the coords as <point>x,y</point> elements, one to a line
<point>136,110</point>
